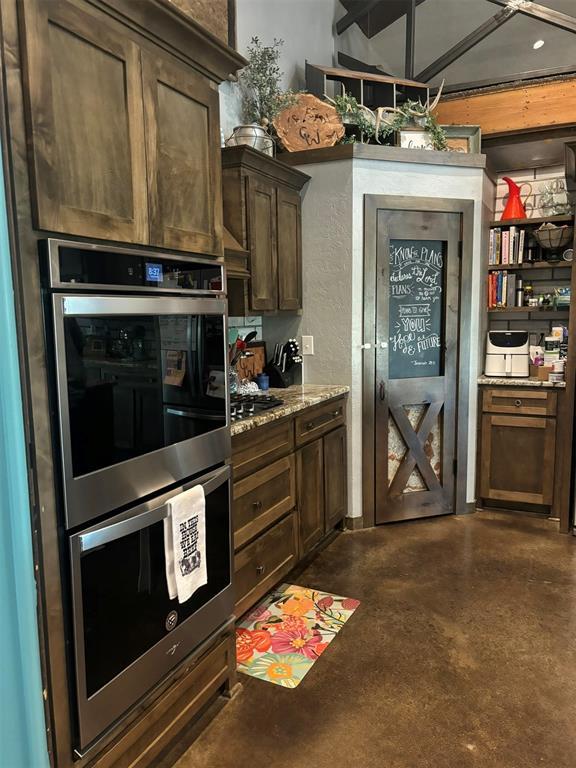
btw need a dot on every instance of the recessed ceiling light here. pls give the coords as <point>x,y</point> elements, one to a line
<point>538,44</point>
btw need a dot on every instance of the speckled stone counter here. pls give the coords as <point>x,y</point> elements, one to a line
<point>296,398</point>
<point>526,382</point>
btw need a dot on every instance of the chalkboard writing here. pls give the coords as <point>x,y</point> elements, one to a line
<point>415,315</point>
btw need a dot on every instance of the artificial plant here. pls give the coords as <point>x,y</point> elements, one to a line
<point>381,124</point>
<point>263,98</point>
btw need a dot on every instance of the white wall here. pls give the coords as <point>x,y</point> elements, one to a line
<point>306,26</point>
<point>333,276</point>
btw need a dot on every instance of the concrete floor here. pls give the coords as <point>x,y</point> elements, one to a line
<point>462,655</point>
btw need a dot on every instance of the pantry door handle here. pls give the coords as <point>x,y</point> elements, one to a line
<point>382,390</point>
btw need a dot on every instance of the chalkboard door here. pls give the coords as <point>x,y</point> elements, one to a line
<point>417,309</point>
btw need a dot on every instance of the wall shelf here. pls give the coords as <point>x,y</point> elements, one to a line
<point>565,219</point>
<point>527,266</point>
<point>536,312</point>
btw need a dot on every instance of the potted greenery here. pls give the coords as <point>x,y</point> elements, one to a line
<point>262,96</point>
<point>380,126</point>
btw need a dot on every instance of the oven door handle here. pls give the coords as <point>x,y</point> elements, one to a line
<point>188,413</point>
<point>111,531</point>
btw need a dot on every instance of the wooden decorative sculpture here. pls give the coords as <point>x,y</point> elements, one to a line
<point>309,123</point>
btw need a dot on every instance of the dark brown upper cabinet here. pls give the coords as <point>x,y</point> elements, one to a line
<point>84,89</point>
<point>124,136</point>
<point>289,240</point>
<point>262,210</point>
<point>184,174</point>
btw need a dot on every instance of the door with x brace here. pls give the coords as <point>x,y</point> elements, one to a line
<point>417,311</point>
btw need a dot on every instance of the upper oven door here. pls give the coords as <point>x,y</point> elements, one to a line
<point>142,396</point>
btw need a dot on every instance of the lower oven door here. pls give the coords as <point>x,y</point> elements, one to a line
<point>128,633</point>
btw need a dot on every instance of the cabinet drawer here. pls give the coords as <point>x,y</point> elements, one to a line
<point>140,743</point>
<point>262,498</point>
<point>261,446</point>
<point>260,565</point>
<point>316,421</point>
<point>524,402</point>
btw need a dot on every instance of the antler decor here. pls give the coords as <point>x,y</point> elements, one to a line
<point>384,121</point>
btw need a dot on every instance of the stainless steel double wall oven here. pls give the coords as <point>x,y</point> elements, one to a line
<point>138,343</point>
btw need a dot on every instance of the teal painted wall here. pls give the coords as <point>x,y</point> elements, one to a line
<point>22,727</point>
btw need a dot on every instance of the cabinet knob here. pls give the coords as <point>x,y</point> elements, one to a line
<point>257,505</point>
<point>259,570</point>
<point>310,425</point>
<point>517,403</point>
<point>335,413</point>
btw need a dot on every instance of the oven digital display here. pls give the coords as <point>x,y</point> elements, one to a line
<point>154,273</point>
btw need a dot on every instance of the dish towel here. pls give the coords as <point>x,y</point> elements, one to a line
<point>185,544</point>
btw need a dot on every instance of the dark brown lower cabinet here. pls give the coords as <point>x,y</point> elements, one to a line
<point>335,479</point>
<point>518,446</point>
<point>322,487</point>
<point>310,484</point>
<point>286,501</point>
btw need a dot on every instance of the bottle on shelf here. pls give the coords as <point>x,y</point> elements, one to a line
<point>519,292</point>
<point>528,292</point>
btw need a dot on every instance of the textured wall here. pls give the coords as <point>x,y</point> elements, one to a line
<point>304,25</point>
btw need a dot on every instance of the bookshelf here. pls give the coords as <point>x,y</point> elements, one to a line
<point>517,269</point>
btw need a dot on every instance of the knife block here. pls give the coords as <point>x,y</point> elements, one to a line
<point>280,379</point>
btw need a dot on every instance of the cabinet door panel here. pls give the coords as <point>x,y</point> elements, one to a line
<point>335,477</point>
<point>263,244</point>
<point>289,250</point>
<point>183,160</point>
<point>518,458</point>
<point>310,474</point>
<point>86,124</point>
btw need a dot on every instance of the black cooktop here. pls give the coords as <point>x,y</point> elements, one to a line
<point>245,406</point>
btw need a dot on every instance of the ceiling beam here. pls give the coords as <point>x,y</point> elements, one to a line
<point>410,39</point>
<point>359,66</point>
<point>466,43</point>
<point>541,12</point>
<point>360,9</point>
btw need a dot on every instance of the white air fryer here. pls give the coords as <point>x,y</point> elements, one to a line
<point>507,354</point>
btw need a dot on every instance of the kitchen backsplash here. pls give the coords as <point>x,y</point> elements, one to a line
<point>245,325</point>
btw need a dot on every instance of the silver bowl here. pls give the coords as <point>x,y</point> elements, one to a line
<point>254,136</point>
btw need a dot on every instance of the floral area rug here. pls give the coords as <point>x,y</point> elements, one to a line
<point>288,631</point>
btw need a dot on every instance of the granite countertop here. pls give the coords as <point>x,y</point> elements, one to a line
<point>524,382</point>
<point>296,398</point>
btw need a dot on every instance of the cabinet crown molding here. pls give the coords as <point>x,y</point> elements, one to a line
<point>247,158</point>
<point>163,22</point>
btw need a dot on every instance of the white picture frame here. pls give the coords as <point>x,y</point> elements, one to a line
<point>414,138</point>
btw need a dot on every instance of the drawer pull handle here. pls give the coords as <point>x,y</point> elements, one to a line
<point>517,403</point>
<point>310,425</point>
<point>257,505</point>
<point>335,414</point>
<point>259,570</point>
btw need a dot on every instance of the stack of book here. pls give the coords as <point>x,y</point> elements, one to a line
<point>506,245</point>
<point>501,289</point>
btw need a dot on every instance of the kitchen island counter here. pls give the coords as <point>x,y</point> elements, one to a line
<point>296,398</point>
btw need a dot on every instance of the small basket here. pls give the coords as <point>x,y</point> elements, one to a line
<point>552,238</point>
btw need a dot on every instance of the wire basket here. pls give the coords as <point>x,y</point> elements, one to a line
<point>552,238</point>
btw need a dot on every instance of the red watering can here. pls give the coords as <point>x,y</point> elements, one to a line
<point>514,207</point>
